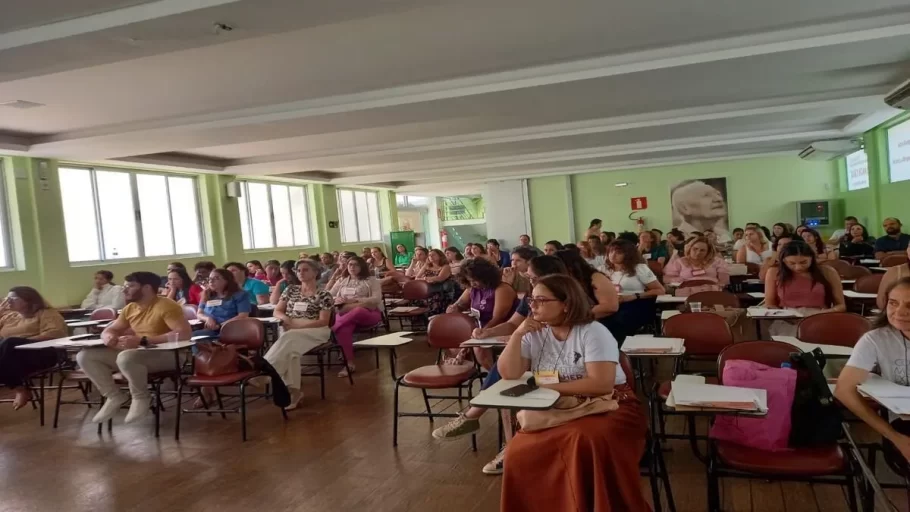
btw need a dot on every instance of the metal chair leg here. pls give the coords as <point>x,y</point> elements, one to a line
<point>395,415</point>
<point>220,403</point>
<point>243,409</point>
<point>426,401</point>
<point>179,409</point>
<point>320,361</point>
<point>57,404</point>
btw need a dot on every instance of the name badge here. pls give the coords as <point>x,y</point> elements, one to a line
<point>549,377</point>
<point>299,307</point>
<point>475,313</point>
<point>698,272</point>
<point>213,302</point>
<point>349,292</point>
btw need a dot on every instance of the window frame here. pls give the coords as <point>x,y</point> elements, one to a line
<point>271,209</point>
<point>6,227</point>
<point>341,214</point>
<point>137,214</point>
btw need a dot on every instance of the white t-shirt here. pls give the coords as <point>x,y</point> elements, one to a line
<point>586,343</point>
<point>837,235</point>
<point>739,243</point>
<point>886,348</point>
<point>632,284</point>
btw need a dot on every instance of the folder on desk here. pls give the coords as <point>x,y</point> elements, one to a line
<point>652,345</point>
<point>711,396</point>
<point>891,396</point>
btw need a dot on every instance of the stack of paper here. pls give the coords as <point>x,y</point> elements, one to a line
<point>653,345</point>
<point>771,313</point>
<point>711,396</point>
<point>403,309</point>
<point>856,295</point>
<point>894,397</point>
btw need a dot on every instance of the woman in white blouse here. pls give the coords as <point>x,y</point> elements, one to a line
<point>104,294</point>
<point>358,299</point>
<point>756,249</point>
<point>636,285</point>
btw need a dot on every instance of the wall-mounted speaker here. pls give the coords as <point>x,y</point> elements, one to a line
<point>233,189</point>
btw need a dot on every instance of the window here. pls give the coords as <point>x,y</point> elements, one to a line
<point>359,216</point>
<point>110,214</point>
<point>6,246</point>
<point>274,215</point>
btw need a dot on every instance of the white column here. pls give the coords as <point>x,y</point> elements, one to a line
<point>507,211</point>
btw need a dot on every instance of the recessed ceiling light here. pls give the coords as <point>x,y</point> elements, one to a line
<point>21,104</point>
<point>621,184</point>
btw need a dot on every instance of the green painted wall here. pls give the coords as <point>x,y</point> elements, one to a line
<point>39,238</point>
<point>759,189</point>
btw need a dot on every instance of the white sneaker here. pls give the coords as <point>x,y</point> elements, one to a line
<point>111,406</point>
<point>139,409</point>
<point>494,467</point>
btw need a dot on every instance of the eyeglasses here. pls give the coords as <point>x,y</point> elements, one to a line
<point>540,301</point>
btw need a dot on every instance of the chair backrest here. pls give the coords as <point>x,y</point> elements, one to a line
<point>247,332</point>
<point>753,268</point>
<point>706,334</point>
<point>450,330</point>
<point>189,311</point>
<point>626,364</point>
<point>416,290</point>
<point>711,299</point>
<point>853,272</point>
<point>656,267</point>
<point>696,282</point>
<point>103,314</point>
<point>868,284</point>
<point>835,328</point>
<point>838,265</point>
<point>770,353</point>
<point>893,260</point>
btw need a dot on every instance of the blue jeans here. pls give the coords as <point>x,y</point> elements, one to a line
<point>492,377</point>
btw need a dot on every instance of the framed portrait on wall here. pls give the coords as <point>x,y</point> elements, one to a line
<point>700,205</point>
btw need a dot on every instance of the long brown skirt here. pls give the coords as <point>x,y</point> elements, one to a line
<point>590,464</point>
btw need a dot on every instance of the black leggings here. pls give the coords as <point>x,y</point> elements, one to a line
<point>16,365</point>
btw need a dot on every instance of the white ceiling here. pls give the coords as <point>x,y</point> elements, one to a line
<point>433,95</point>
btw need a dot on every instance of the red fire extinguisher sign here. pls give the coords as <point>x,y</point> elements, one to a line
<point>639,203</point>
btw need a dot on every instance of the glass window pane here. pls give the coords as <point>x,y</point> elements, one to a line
<point>281,214</point>
<point>79,214</point>
<point>348,217</point>
<point>363,216</point>
<point>244,218</point>
<point>156,223</point>
<point>261,216</point>
<point>373,214</point>
<point>185,214</point>
<point>118,222</point>
<point>301,216</point>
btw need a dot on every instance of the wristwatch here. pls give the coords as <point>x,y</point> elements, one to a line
<point>144,341</point>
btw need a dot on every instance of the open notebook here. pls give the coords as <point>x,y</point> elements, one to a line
<point>652,345</point>
<point>892,396</point>
<point>711,396</point>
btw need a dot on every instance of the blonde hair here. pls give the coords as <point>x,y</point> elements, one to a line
<point>711,254</point>
<point>761,234</point>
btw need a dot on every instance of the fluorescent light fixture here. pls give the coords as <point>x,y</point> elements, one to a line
<point>621,184</point>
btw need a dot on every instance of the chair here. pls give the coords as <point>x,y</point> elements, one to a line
<point>414,292</point>
<point>840,266</point>
<point>189,311</point>
<point>445,331</point>
<point>835,328</point>
<point>821,465</point>
<point>753,268</point>
<point>103,314</point>
<point>853,272</point>
<point>893,260</point>
<point>246,334</point>
<point>711,299</point>
<point>323,354</point>
<point>655,467</point>
<point>868,284</point>
<point>658,269</point>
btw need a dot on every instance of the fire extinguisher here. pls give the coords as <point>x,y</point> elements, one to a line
<point>443,238</point>
<point>639,222</point>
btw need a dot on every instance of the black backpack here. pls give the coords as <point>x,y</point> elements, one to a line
<point>815,417</point>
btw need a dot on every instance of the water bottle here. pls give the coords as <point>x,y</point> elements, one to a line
<point>786,364</point>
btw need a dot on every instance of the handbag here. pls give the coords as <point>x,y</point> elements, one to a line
<point>215,359</point>
<point>566,409</point>
<point>816,418</point>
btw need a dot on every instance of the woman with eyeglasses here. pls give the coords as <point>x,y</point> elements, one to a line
<point>222,300</point>
<point>572,354</point>
<point>304,311</point>
<point>26,318</point>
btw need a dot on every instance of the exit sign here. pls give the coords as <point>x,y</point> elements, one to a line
<point>639,203</point>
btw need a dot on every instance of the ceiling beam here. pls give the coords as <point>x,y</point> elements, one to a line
<point>103,21</point>
<point>14,143</point>
<point>806,37</point>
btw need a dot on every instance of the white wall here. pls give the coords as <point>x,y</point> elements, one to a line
<point>507,212</point>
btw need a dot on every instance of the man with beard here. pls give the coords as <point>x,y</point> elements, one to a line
<point>701,207</point>
<point>894,242</point>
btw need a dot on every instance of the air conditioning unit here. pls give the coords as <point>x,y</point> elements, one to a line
<point>899,97</point>
<point>830,149</point>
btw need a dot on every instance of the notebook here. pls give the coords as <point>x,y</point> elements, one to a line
<point>653,345</point>
<point>712,396</point>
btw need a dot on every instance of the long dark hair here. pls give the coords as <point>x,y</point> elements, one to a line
<point>579,269</point>
<point>187,282</point>
<point>290,267</point>
<point>819,245</point>
<point>631,258</point>
<point>798,247</point>
<point>364,268</point>
<point>882,319</point>
<point>545,265</point>
<point>456,252</point>
<point>231,287</point>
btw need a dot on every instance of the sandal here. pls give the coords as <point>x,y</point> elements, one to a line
<point>346,372</point>
<point>21,400</point>
<point>296,398</point>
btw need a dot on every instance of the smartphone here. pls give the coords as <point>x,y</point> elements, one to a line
<point>515,391</point>
<point>82,337</point>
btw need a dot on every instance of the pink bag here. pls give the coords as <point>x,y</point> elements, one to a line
<point>772,432</point>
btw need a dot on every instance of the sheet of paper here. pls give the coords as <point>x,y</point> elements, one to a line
<point>404,309</point>
<point>670,298</point>
<point>652,345</point>
<point>856,295</point>
<point>757,295</point>
<point>668,314</point>
<point>773,313</point>
<point>719,397</point>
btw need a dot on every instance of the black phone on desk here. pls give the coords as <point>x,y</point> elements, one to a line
<point>516,391</point>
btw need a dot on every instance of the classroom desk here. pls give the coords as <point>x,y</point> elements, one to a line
<point>68,343</point>
<point>637,348</point>
<point>389,341</point>
<point>778,314</point>
<point>538,400</point>
<point>831,351</point>
<point>72,313</point>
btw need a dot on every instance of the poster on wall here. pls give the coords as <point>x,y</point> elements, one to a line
<point>857,170</point>
<point>699,205</point>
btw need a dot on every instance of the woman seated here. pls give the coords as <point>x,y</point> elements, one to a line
<point>551,247</point>
<point>892,275</point>
<point>104,294</point>
<point>774,261</point>
<point>26,318</point>
<point>438,275</point>
<point>181,289</point>
<point>650,249</point>
<point>516,274</point>
<point>700,262</point>
<point>367,254</point>
<point>637,287</point>
<point>584,249</point>
<point>601,470</point>
<point>598,288</point>
<point>379,264</point>
<point>497,256</point>
<point>417,263</point>
<point>599,252</point>
<point>607,237</point>
<point>288,277</point>
<point>221,300</point>
<point>799,282</point>
<point>304,311</point>
<point>402,256</point>
<point>778,230</point>
<point>814,240</point>
<point>257,291</point>
<point>273,273</point>
<point>489,299</point>
<point>756,248</point>
<point>326,271</point>
<point>855,244</point>
<point>341,270</point>
<point>255,270</point>
<point>358,299</point>
<point>455,259</point>
<point>886,348</point>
